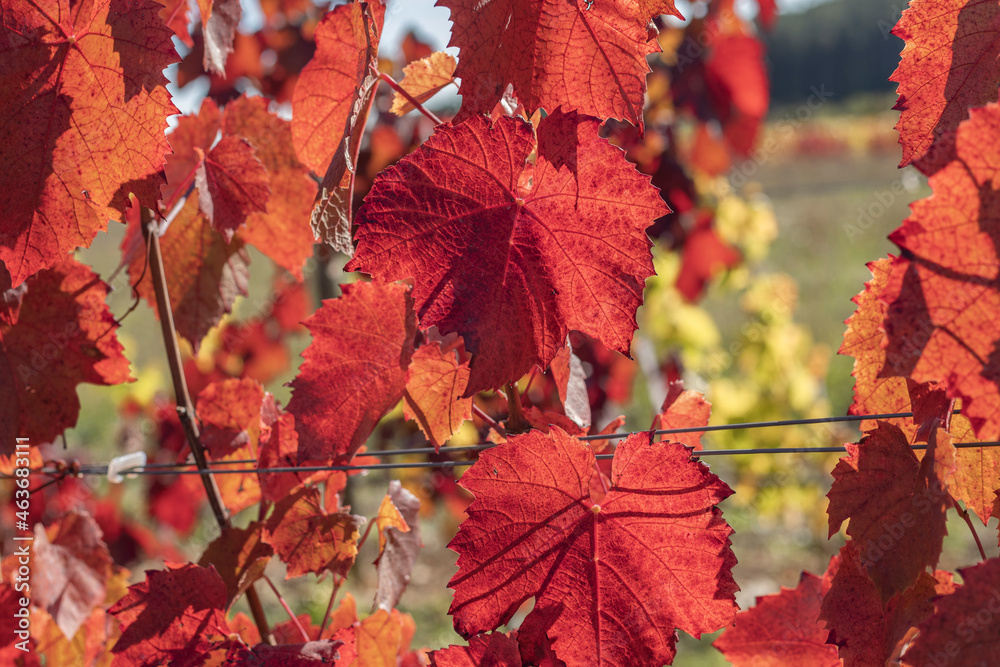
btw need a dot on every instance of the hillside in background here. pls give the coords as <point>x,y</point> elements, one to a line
<point>844,45</point>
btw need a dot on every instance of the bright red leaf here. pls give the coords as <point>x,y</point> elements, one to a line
<point>612,581</point>
<point>586,57</point>
<point>494,649</point>
<point>354,371</point>
<point>232,183</point>
<point>736,78</point>
<point>56,332</point>
<point>70,570</point>
<point>435,383</point>
<point>175,616</point>
<point>310,654</point>
<point>963,631</point>
<point>942,292</point>
<point>783,629</point>
<point>281,450</point>
<point>949,64</point>
<point>308,539</point>
<point>896,505</point>
<point>85,107</point>
<point>512,255</point>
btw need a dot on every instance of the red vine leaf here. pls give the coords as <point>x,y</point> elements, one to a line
<point>239,556</point>
<point>175,616</point>
<point>354,371</point>
<point>435,383</point>
<point>493,649</point>
<point>232,184</point>
<point>511,255</point>
<point>281,450</point>
<point>204,274</point>
<point>56,332</point>
<point>85,107</point>
<point>978,469</point>
<point>327,88</point>
<point>308,539</point>
<point>897,508</point>
<point>586,57</point>
<point>423,79</point>
<point>398,548</point>
<point>959,629</point>
<point>658,525</point>
<point>868,632</point>
<point>280,231</point>
<point>736,78</point>
<point>70,570</point>
<point>783,629</point>
<point>682,408</point>
<point>229,411</point>
<point>941,294</point>
<point>948,65</point>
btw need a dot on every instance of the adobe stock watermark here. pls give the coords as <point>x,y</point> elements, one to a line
<point>882,200</point>
<point>21,577</point>
<point>967,629</point>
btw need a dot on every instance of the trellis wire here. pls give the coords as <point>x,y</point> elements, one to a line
<point>217,469</point>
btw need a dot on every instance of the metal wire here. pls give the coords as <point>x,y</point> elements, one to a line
<point>217,469</point>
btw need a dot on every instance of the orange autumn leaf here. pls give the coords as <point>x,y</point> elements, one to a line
<point>435,383</point>
<point>388,517</point>
<point>281,231</point>
<point>308,539</point>
<point>81,125</point>
<point>423,79</point>
<point>948,65</point>
<point>56,332</point>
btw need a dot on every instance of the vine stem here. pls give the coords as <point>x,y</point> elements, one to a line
<point>968,520</point>
<point>409,98</point>
<point>337,583</point>
<point>288,610</point>
<point>516,421</point>
<point>479,412</point>
<point>185,408</point>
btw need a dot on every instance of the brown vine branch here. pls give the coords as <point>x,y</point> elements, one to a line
<point>968,521</point>
<point>409,98</point>
<point>185,408</point>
